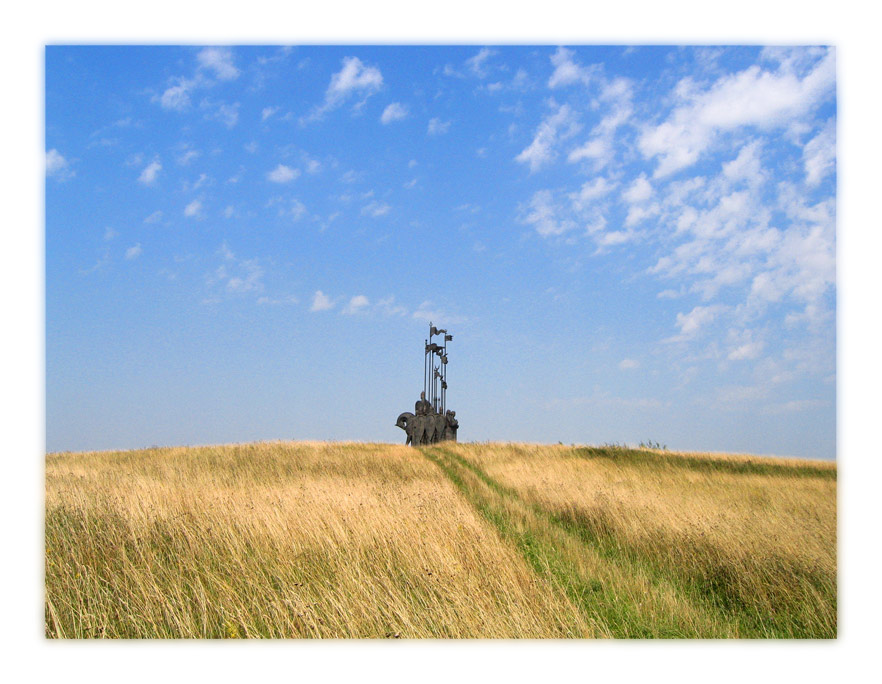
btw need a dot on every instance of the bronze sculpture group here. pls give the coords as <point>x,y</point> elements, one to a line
<point>431,421</point>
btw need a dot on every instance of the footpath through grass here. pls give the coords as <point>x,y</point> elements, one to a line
<point>630,588</point>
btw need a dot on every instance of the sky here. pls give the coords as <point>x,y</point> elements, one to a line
<point>628,243</point>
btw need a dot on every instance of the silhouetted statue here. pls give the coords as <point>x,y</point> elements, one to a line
<point>452,425</point>
<point>422,407</point>
<point>429,423</point>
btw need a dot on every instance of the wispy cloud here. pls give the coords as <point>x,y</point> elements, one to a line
<point>560,124</point>
<point>193,209</point>
<point>57,166</point>
<point>283,174</point>
<point>357,304</point>
<point>219,61</point>
<point>752,97</point>
<point>394,112</point>
<point>354,78</point>
<point>438,127</point>
<point>150,173</point>
<point>321,302</point>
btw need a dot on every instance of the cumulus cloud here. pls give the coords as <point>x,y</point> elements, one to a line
<point>691,323</point>
<point>640,190</point>
<point>567,71</point>
<point>819,155</point>
<point>752,97</point>
<point>356,304</point>
<point>354,78</point>
<point>321,302</point>
<point>219,61</point>
<point>57,166</point>
<point>545,216</point>
<point>748,350</point>
<point>393,112</point>
<point>194,209</point>
<point>149,174</point>
<point>375,209</point>
<point>177,97</point>
<point>616,100</point>
<point>476,64</point>
<point>558,125</point>
<point>438,127</point>
<point>235,276</point>
<point>427,311</point>
<point>746,166</point>
<point>283,174</point>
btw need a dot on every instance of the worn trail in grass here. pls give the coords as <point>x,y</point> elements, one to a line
<point>623,598</point>
<point>663,544</point>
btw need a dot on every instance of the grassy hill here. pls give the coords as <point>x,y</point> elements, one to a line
<point>316,539</point>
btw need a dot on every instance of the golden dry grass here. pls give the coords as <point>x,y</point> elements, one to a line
<point>469,540</point>
<point>281,540</point>
<point>753,537</point>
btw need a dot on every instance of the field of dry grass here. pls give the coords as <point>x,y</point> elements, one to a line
<point>453,541</point>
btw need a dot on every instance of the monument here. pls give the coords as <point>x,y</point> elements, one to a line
<point>431,421</point>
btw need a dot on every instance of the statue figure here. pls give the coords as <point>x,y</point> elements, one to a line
<point>423,407</point>
<point>430,423</point>
<point>452,425</point>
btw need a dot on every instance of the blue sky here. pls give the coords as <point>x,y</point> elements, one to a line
<point>628,243</point>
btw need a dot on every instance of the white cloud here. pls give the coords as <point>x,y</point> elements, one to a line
<point>227,114</point>
<point>283,174</point>
<point>353,78</point>
<point>150,172</point>
<point>639,191</point>
<point>394,112</point>
<point>591,191</point>
<point>321,302</point>
<point>427,312</point>
<point>268,112</point>
<point>155,217</point>
<point>193,209</point>
<point>819,155</point>
<point>375,209</point>
<point>567,71</point>
<point>616,99</point>
<point>109,233</point>
<point>476,63</point>
<point>177,97</point>
<point>636,214</point>
<point>438,127</point>
<point>236,276</point>
<point>748,350</point>
<point>691,323</point>
<point>220,61</point>
<point>559,125</point>
<point>596,148</point>
<point>543,215</point>
<point>57,166</point>
<point>388,307</point>
<point>248,279</point>
<point>187,156</point>
<point>356,304</point>
<point>629,364</point>
<point>746,166</point>
<point>133,252</point>
<point>752,97</point>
